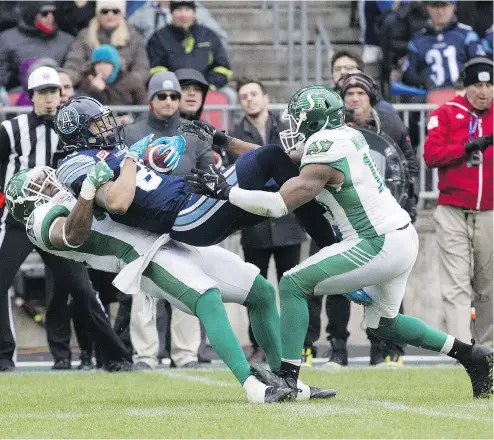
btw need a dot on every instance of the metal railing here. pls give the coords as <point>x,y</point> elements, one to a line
<point>232,113</point>
<point>322,42</point>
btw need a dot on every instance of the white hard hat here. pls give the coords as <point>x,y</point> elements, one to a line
<point>43,78</point>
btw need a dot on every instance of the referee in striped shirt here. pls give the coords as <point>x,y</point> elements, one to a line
<point>27,141</point>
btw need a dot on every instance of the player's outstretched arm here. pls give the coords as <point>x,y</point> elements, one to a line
<point>293,194</point>
<point>73,230</point>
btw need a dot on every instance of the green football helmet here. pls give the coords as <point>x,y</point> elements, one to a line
<point>29,189</point>
<point>311,109</point>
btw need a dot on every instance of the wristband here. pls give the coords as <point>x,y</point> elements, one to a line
<point>88,190</point>
<point>132,155</point>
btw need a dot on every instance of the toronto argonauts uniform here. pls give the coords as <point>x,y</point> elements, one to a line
<point>379,245</point>
<point>440,56</point>
<point>176,272</point>
<point>164,204</point>
<point>157,199</point>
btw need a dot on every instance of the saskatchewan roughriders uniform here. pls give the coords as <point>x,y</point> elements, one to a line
<point>379,245</point>
<point>146,262</point>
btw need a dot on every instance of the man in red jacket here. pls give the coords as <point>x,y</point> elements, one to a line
<point>459,144</point>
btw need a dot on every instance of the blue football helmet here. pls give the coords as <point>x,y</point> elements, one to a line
<point>85,123</point>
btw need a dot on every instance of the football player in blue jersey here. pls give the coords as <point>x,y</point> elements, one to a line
<point>160,203</point>
<point>439,51</point>
<point>487,41</point>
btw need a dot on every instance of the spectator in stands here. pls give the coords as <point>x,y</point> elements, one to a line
<point>370,14</point>
<point>459,144</point>
<point>476,13</point>
<point>398,28</point>
<point>194,90</point>
<point>154,15</point>
<point>185,43</point>
<point>438,52</point>
<point>344,62</point>
<point>67,86</point>
<point>109,83</point>
<point>164,96</point>
<point>75,15</point>
<point>280,238</point>
<point>108,27</point>
<point>35,36</point>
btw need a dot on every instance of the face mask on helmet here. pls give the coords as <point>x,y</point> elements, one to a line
<point>291,138</point>
<point>84,123</point>
<point>29,189</point>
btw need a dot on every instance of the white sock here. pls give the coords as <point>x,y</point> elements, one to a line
<point>304,391</point>
<point>448,345</point>
<point>255,390</point>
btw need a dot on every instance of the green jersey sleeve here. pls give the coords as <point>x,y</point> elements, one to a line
<point>40,223</point>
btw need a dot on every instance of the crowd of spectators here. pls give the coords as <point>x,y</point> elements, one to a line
<point>169,54</point>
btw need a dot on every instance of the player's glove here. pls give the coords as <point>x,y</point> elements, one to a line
<point>97,177</point>
<point>212,184</point>
<point>207,133</point>
<point>137,149</point>
<point>174,146</point>
<point>479,144</point>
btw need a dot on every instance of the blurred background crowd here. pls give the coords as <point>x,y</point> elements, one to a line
<point>159,62</point>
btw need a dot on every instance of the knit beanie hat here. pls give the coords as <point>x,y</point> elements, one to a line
<point>362,81</point>
<point>180,4</point>
<point>477,70</point>
<point>110,4</point>
<point>107,53</point>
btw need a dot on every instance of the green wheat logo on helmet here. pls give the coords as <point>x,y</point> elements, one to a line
<point>310,110</point>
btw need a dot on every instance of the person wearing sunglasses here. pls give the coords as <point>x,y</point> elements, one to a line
<point>165,96</point>
<point>108,27</point>
<point>35,36</point>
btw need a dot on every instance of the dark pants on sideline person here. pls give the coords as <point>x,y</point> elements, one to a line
<point>285,258</point>
<point>69,277</point>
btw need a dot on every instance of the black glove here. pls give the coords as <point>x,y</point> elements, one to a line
<point>203,131</point>
<point>212,184</point>
<point>479,144</point>
<point>411,208</point>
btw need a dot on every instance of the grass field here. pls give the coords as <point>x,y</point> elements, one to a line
<point>431,402</point>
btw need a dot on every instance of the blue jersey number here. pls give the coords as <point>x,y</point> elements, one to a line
<point>146,179</point>
<point>438,60</point>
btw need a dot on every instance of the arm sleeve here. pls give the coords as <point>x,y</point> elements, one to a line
<point>156,52</point>
<point>77,60</point>
<point>438,149</point>
<point>204,156</point>
<point>219,71</point>
<point>40,222</point>
<point>412,74</point>
<point>72,172</point>
<point>139,64</point>
<point>473,45</point>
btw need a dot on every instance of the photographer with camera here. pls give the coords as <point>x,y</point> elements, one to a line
<point>459,144</point>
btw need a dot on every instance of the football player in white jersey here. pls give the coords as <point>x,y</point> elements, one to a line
<point>379,245</point>
<point>196,280</point>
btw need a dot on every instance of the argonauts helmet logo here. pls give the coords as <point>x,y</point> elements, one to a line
<point>68,120</point>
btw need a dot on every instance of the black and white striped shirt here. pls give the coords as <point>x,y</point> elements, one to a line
<point>25,141</point>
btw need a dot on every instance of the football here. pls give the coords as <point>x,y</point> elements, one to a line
<point>156,161</point>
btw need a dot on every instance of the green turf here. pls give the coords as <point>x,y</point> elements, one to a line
<point>408,403</point>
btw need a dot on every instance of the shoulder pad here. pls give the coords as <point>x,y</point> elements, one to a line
<point>74,167</point>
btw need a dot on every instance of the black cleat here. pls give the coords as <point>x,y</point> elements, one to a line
<point>62,364</point>
<point>86,361</point>
<point>479,368</point>
<point>7,367</point>
<point>300,390</point>
<point>114,366</point>
<point>275,394</point>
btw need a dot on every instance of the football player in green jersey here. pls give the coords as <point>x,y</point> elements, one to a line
<point>195,280</point>
<point>379,245</point>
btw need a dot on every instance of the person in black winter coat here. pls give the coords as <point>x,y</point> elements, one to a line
<point>36,36</point>
<point>185,43</point>
<point>282,237</point>
<point>73,16</point>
